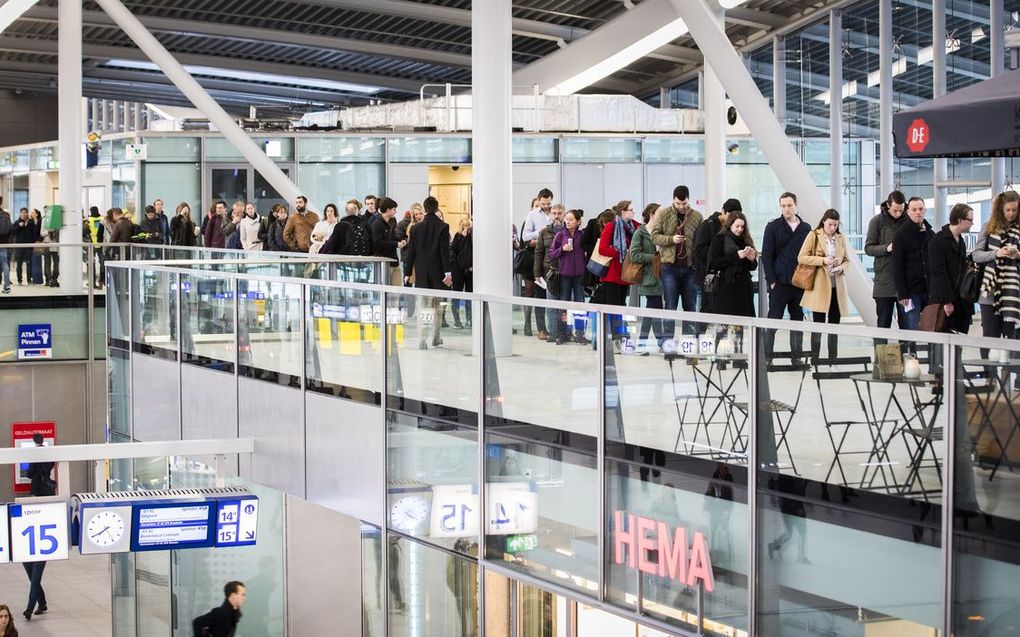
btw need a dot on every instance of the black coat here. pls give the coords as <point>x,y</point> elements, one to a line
<point>39,474</point>
<point>780,248</point>
<point>735,295</point>
<point>703,237</point>
<point>274,236</point>
<point>25,231</point>
<point>461,256</point>
<point>384,241</point>
<point>182,231</point>
<point>910,259</point>
<point>428,253</point>
<point>219,622</point>
<point>947,258</point>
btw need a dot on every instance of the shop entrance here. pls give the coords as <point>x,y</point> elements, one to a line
<point>234,182</point>
<point>451,185</point>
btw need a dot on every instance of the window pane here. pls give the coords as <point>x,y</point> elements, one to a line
<point>431,592</point>
<point>674,151</point>
<point>601,149</point>
<point>207,314</point>
<point>172,148</point>
<point>345,343</point>
<point>342,149</point>
<point>269,331</point>
<point>173,183</point>
<point>447,150</point>
<point>277,148</point>
<point>336,183</point>
<point>534,149</point>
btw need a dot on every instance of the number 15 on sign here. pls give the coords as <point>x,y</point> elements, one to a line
<point>38,532</point>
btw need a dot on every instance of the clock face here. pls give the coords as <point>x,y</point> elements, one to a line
<point>105,529</point>
<point>409,512</point>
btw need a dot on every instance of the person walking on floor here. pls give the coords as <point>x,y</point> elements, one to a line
<point>42,485</point>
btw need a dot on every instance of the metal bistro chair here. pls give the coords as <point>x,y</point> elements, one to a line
<point>784,412</point>
<point>924,438</point>
<point>840,370</point>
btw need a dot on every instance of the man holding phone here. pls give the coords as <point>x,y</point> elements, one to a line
<point>672,229</point>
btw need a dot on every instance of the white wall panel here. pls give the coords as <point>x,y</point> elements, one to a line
<point>156,401</point>
<point>271,414</point>
<point>407,183</point>
<point>528,180</point>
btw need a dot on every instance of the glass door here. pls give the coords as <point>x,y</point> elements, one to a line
<point>241,182</point>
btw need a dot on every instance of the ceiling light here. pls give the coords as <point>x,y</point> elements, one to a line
<point>977,35</point>
<point>622,58</point>
<point>247,76</point>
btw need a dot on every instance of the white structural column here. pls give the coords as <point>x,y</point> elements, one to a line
<point>998,67</point>
<point>491,93</point>
<point>938,85</point>
<point>836,110</point>
<point>770,136</point>
<point>885,97</point>
<point>12,10</point>
<point>102,116</point>
<point>202,101</point>
<point>69,135</point>
<point>116,116</point>
<point>136,112</point>
<point>715,134</point>
<point>779,79</point>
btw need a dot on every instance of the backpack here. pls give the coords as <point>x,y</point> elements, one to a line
<point>358,241</point>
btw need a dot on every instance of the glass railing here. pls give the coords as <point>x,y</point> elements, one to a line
<point>695,472</point>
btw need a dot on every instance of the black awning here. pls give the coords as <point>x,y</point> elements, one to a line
<point>980,120</point>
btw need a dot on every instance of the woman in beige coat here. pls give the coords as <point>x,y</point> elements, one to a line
<point>827,249</point>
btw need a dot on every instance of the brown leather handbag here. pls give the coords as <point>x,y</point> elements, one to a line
<point>804,276</point>
<point>631,272</point>
<point>933,318</point>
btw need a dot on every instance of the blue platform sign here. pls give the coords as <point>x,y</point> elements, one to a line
<point>160,525</point>
<point>237,521</point>
<point>35,341</point>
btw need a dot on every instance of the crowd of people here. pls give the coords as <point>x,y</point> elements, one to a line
<point>28,227</point>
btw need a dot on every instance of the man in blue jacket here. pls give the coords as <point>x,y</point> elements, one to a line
<point>784,237</point>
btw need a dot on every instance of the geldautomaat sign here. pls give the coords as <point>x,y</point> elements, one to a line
<point>659,549</point>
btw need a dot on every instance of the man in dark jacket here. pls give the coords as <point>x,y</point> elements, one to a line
<point>783,239</point>
<point>384,241</point>
<point>274,233</point>
<point>152,226</point>
<point>6,234</point>
<point>703,241</point>
<point>25,231</point>
<point>879,244</point>
<point>212,229</point>
<point>42,485</point>
<point>910,264</point>
<point>222,621</point>
<point>428,256</point>
<point>947,258</point>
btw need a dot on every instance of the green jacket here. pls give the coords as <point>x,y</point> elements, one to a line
<point>641,251</point>
<point>542,261</point>
<point>663,227</point>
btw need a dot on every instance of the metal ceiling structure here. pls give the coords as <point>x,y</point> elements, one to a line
<point>288,57</point>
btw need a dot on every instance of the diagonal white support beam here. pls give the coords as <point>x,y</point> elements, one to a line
<point>202,101</point>
<point>624,39</point>
<point>771,138</point>
<point>12,10</point>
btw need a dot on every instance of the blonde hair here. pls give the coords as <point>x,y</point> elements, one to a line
<point>465,223</point>
<point>997,224</point>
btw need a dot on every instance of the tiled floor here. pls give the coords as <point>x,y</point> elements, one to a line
<point>77,593</point>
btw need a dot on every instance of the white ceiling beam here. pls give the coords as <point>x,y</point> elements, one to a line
<point>12,10</point>
<point>755,18</point>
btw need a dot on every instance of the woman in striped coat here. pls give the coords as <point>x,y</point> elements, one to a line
<point>998,247</point>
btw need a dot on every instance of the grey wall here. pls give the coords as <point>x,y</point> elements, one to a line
<point>209,406</point>
<point>324,571</point>
<point>28,118</point>
<point>156,402</point>
<point>47,391</point>
<point>346,442</point>
<point>271,414</point>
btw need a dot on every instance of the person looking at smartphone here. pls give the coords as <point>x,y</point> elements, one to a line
<point>997,248</point>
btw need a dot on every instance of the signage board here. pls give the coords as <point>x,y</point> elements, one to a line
<point>521,543</point>
<point>237,521</point>
<point>35,340</point>
<point>136,152</point>
<point>39,532</point>
<point>158,525</point>
<point>512,509</point>
<point>5,537</point>
<point>21,436</point>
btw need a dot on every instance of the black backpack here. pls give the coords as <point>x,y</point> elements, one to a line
<point>358,241</point>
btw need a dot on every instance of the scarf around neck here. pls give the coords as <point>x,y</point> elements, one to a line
<point>622,231</point>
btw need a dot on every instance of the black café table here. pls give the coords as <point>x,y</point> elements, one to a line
<point>987,400</point>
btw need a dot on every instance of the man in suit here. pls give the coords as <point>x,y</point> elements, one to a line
<point>428,256</point>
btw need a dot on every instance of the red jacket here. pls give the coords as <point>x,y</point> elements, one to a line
<point>606,248</point>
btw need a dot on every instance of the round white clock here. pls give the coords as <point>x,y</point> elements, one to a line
<point>105,529</point>
<point>409,512</point>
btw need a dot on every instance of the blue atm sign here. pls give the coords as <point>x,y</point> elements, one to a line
<point>35,341</point>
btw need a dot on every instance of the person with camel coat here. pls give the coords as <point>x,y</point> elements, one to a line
<point>826,249</point>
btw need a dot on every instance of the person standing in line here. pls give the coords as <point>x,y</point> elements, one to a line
<point>42,485</point>
<point>732,256</point>
<point>24,232</point>
<point>566,250</point>
<point>222,621</point>
<point>51,258</point>
<point>6,233</point>
<point>428,256</point>
<point>7,628</point>
<point>212,228</point>
<point>182,228</point>
<point>643,251</point>
<point>274,234</point>
<point>538,218</point>
<point>998,247</point>
<point>543,264</point>
<point>298,232</point>
<point>879,244</point>
<point>371,208</point>
<point>96,231</point>
<point>164,223</point>
<point>324,228</point>
<point>250,228</point>
<point>910,263</point>
<point>462,264</point>
<point>151,227</point>
<point>673,230</point>
<point>384,237</point>
<point>613,290</point>
<point>947,256</point>
<point>826,249</point>
<point>703,237</point>
<point>781,245</point>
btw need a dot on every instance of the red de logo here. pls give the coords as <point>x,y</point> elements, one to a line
<point>918,135</point>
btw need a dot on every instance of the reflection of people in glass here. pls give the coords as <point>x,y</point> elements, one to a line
<point>393,567</point>
<point>719,497</point>
<point>794,518</point>
<point>463,585</point>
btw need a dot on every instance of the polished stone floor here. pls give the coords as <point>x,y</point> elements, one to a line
<point>77,594</point>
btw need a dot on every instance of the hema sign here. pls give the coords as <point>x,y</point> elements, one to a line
<point>656,548</point>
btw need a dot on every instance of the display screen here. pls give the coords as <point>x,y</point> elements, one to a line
<point>168,525</point>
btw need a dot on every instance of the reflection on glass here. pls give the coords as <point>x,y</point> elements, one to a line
<point>269,331</point>
<point>119,383</point>
<point>155,313</point>
<point>850,449</point>
<point>674,538</point>
<point>430,369</point>
<point>345,343</point>
<point>432,478</point>
<point>207,317</point>
<point>987,508</point>
<point>373,618</point>
<point>431,592</point>
<point>118,301</point>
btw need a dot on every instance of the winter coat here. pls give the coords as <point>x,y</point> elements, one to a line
<point>249,229</point>
<point>545,239</point>
<point>212,234</point>
<point>663,227</point>
<point>813,253</point>
<point>274,237</point>
<point>154,228</point>
<point>735,296</point>
<point>122,231</point>
<point>910,260</point>
<point>606,248</point>
<point>881,230</point>
<point>703,238</point>
<point>780,249</point>
<point>947,259</point>
<point>182,231</point>
<point>568,262</point>
<point>297,234</point>
<point>643,251</point>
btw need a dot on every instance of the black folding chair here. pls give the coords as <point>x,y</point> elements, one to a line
<point>840,370</point>
<point>784,412</point>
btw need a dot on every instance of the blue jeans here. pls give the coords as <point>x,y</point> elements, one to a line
<point>679,283</point>
<point>36,594</point>
<point>571,289</point>
<point>5,267</point>
<point>913,317</point>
